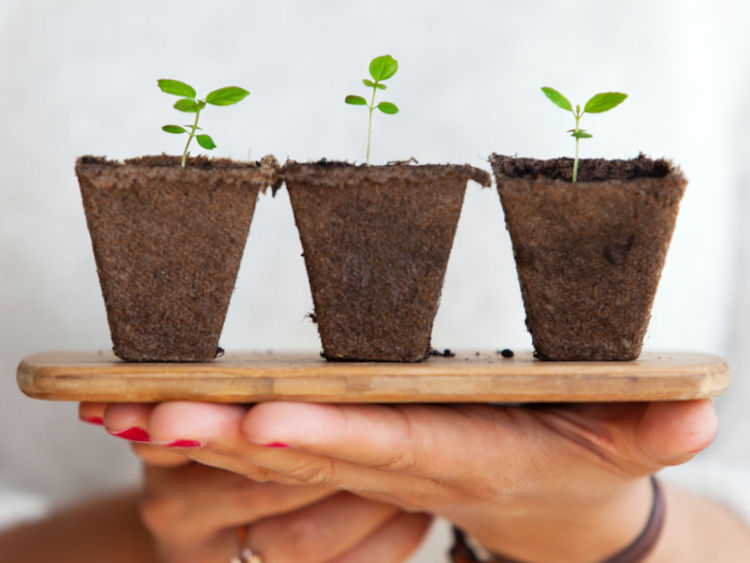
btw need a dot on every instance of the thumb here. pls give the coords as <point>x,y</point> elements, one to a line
<point>671,433</point>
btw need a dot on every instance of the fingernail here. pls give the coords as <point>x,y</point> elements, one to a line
<point>276,445</point>
<point>93,420</point>
<point>184,444</point>
<point>133,434</point>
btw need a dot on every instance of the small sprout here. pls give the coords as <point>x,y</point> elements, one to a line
<point>597,104</point>
<point>188,103</point>
<point>381,68</point>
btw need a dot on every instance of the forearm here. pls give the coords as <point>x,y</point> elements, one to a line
<point>108,529</point>
<point>567,529</point>
<point>697,530</point>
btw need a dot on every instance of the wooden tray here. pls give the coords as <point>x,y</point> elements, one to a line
<point>467,377</point>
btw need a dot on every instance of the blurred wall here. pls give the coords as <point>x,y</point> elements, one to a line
<point>80,78</point>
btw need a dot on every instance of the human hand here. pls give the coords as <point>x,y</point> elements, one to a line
<point>194,513</point>
<point>523,481</point>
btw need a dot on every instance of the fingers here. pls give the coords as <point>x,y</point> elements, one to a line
<point>394,541</point>
<point>377,451</point>
<point>128,420</point>
<point>189,504</point>
<point>203,432</point>
<point>93,413</point>
<point>218,429</point>
<point>321,531</point>
<point>425,441</point>
<point>674,432</point>
<point>215,432</point>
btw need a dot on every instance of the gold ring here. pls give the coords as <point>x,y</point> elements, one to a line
<point>246,555</point>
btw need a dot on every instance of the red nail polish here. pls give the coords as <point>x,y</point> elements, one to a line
<point>184,444</point>
<point>93,420</point>
<point>133,434</point>
<point>276,445</point>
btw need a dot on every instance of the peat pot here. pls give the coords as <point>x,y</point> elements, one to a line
<point>376,242</point>
<point>589,254</point>
<point>167,243</point>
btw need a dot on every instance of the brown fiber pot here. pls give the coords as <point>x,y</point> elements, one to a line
<point>589,255</point>
<point>167,243</point>
<point>376,243</point>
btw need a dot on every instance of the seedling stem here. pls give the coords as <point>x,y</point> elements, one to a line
<point>189,103</point>
<point>599,103</point>
<point>371,108</point>
<point>190,138</point>
<point>578,140</point>
<point>381,68</point>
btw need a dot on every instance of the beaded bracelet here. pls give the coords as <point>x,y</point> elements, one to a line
<point>633,553</point>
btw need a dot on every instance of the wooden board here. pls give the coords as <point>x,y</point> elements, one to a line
<point>467,377</point>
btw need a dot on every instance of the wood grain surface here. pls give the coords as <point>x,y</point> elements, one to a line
<point>244,377</point>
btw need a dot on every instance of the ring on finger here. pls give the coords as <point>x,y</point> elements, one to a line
<point>246,555</point>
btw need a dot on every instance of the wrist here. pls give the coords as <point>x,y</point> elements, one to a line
<point>586,531</point>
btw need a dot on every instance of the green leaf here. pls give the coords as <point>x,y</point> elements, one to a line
<point>355,100</point>
<point>176,87</point>
<point>205,141</point>
<point>387,107</point>
<point>370,84</point>
<point>189,106</point>
<point>579,134</point>
<point>227,96</point>
<point>557,98</point>
<point>190,125</point>
<point>173,129</point>
<point>382,68</point>
<point>604,102</point>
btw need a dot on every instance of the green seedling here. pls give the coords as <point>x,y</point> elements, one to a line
<point>189,103</point>
<point>381,68</point>
<point>597,104</point>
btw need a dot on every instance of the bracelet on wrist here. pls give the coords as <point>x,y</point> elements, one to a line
<point>635,552</point>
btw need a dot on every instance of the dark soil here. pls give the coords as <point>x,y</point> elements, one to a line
<point>168,243</point>
<point>589,255</point>
<point>376,242</point>
<point>589,169</point>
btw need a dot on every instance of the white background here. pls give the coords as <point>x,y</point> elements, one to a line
<point>79,77</point>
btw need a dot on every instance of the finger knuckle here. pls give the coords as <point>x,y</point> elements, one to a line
<point>306,539</point>
<point>256,473</point>
<point>314,472</point>
<point>402,459</point>
<point>401,462</point>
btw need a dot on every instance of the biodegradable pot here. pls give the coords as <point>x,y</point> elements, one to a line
<point>589,255</point>
<point>167,243</point>
<point>376,242</point>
